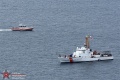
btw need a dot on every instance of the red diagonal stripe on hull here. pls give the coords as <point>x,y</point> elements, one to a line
<point>71,60</point>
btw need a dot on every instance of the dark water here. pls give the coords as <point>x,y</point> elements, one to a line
<point>59,27</point>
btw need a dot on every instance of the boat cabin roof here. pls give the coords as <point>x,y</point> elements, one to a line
<point>22,26</point>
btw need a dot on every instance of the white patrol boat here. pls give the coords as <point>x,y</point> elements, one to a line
<point>86,54</point>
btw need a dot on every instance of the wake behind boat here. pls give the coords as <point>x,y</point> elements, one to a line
<point>86,54</point>
<point>22,28</point>
<point>5,30</point>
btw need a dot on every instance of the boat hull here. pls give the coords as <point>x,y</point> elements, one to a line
<point>22,29</point>
<point>79,59</point>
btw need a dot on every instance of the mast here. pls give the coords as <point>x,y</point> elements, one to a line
<point>87,41</point>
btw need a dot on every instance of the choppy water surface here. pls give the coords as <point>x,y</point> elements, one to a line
<point>59,27</point>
